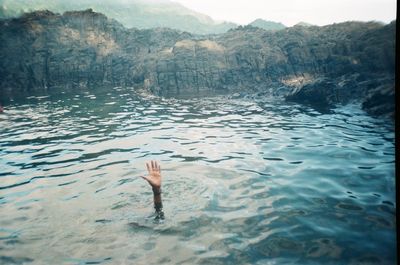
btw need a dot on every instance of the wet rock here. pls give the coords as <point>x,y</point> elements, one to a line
<point>322,93</point>
<point>381,101</point>
<point>376,95</point>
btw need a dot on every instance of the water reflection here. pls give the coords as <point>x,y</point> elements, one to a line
<point>246,181</point>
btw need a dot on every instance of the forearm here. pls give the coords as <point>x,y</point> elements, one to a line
<point>157,198</point>
<point>158,203</point>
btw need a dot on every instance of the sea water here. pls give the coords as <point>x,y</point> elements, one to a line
<point>244,181</point>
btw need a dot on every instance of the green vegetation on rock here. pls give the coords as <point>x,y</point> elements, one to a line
<point>267,25</point>
<point>140,14</point>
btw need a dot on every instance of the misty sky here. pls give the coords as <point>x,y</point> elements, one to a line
<point>290,12</point>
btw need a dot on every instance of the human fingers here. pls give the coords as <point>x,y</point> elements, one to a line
<point>153,165</point>
<point>157,167</point>
<point>148,167</point>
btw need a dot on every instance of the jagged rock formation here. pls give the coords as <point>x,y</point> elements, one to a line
<point>43,49</point>
<point>141,14</point>
<point>331,64</point>
<point>363,69</point>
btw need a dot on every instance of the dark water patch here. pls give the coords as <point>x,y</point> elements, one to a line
<point>125,181</point>
<point>388,203</point>
<point>20,183</point>
<point>257,172</point>
<point>379,221</point>
<point>7,174</point>
<point>99,190</point>
<point>111,164</point>
<point>68,183</point>
<point>119,205</point>
<point>278,246</point>
<point>15,260</point>
<point>296,162</point>
<point>273,158</point>
<point>350,207</point>
<point>88,261</point>
<point>387,209</point>
<point>103,221</point>
<point>365,167</point>
<point>368,259</point>
<point>13,242</point>
<point>188,158</point>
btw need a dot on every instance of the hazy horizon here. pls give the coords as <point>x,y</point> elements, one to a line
<point>291,12</point>
<point>288,12</point>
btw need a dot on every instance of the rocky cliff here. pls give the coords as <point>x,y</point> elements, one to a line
<point>319,65</point>
<point>142,14</point>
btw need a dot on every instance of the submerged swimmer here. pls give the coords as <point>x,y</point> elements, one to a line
<point>154,179</point>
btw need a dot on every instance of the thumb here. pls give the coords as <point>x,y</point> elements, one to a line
<point>145,177</point>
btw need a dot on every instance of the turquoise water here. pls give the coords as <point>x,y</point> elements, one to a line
<point>245,181</point>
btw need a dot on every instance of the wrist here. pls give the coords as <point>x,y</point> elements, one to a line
<point>156,191</point>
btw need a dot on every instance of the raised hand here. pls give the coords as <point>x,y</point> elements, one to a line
<point>154,177</point>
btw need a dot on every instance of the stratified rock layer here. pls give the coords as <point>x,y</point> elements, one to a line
<point>318,65</point>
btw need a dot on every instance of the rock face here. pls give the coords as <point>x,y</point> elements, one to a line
<point>381,100</point>
<point>368,76</point>
<point>141,14</point>
<point>324,65</point>
<point>42,50</point>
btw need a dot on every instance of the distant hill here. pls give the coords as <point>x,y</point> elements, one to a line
<point>141,14</point>
<point>267,25</point>
<point>304,24</point>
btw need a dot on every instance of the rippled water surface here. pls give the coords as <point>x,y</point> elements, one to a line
<point>245,182</point>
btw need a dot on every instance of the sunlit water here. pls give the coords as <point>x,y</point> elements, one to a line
<point>245,182</point>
